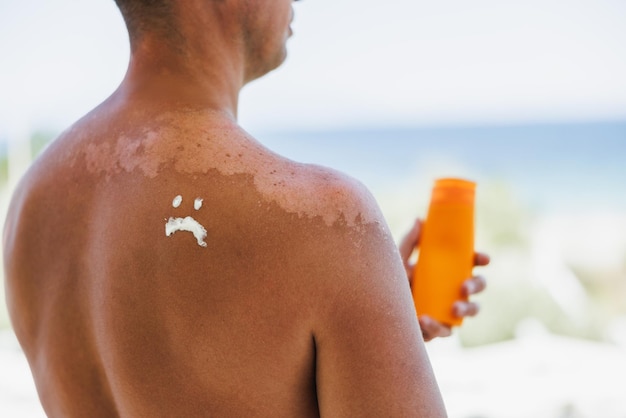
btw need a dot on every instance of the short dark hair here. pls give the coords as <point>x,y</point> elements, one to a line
<point>142,16</point>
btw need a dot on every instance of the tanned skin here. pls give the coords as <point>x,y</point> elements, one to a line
<point>297,305</point>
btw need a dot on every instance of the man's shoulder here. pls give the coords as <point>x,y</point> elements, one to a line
<point>344,237</point>
<point>314,191</point>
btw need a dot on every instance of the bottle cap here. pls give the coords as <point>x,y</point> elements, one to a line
<point>454,190</point>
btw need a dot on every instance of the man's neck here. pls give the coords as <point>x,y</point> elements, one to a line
<point>205,73</point>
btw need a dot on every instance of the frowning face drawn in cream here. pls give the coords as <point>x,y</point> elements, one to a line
<point>187,223</point>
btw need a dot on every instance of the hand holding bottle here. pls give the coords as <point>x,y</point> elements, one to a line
<point>460,307</point>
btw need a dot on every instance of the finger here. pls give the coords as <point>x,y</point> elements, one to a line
<point>474,285</point>
<point>481,259</point>
<point>433,329</point>
<point>465,309</point>
<point>410,240</point>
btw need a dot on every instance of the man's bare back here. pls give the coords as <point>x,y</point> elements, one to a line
<point>161,262</point>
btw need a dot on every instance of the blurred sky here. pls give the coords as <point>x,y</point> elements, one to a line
<point>351,63</point>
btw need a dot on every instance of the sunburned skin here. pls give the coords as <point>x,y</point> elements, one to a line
<point>182,142</point>
<point>187,223</point>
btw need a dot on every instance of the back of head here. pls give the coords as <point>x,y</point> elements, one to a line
<point>149,16</point>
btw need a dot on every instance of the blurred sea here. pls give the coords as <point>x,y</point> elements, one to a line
<point>549,167</point>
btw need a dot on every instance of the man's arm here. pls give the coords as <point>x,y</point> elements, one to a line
<point>370,356</point>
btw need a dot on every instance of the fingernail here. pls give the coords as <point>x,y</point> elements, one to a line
<point>460,309</point>
<point>426,321</point>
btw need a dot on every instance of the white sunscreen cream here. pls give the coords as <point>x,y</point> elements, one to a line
<point>187,223</point>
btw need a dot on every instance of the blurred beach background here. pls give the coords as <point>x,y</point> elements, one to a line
<point>527,99</point>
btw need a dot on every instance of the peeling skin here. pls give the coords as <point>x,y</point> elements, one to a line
<point>194,142</point>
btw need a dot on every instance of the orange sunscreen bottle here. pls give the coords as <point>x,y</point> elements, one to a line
<point>446,250</point>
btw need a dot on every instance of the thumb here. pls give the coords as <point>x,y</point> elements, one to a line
<point>410,241</point>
